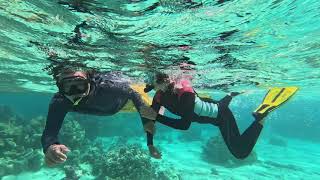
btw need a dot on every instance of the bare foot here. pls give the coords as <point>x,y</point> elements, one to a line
<point>154,152</point>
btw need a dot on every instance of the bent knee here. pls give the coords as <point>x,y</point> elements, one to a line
<point>185,126</point>
<point>241,155</point>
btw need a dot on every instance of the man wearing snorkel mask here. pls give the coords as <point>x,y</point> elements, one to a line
<point>89,93</point>
<point>74,86</point>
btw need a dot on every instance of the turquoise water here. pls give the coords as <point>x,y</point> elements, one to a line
<point>236,45</point>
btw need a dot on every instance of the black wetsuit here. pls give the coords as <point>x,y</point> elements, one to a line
<point>240,145</point>
<point>108,95</point>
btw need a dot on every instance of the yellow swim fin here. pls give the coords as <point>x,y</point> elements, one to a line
<point>139,88</point>
<point>275,98</point>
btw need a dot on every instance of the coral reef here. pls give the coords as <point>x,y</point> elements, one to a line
<point>123,161</point>
<point>70,172</point>
<point>20,141</point>
<point>34,130</point>
<point>14,162</point>
<point>72,134</point>
<point>215,151</point>
<point>20,144</point>
<point>5,113</point>
<point>91,126</point>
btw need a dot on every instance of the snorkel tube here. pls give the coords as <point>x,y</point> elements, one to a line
<point>148,88</point>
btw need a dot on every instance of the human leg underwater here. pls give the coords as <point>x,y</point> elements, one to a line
<point>240,145</point>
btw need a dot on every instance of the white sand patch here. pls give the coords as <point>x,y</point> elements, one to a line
<point>42,174</point>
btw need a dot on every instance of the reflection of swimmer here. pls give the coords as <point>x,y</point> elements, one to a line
<point>77,39</point>
<point>90,93</point>
<point>222,1</point>
<point>78,5</point>
<point>192,4</point>
<point>180,99</point>
<point>153,60</point>
<point>29,16</point>
<point>181,4</point>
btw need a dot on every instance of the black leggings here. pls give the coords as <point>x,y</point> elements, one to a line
<point>240,145</point>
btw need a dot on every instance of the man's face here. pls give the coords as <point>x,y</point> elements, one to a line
<point>74,85</point>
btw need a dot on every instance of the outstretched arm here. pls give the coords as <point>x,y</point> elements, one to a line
<point>186,104</point>
<point>156,106</point>
<point>56,114</point>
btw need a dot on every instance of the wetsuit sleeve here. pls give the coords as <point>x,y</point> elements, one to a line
<point>58,109</point>
<point>156,102</point>
<point>156,107</point>
<point>186,106</point>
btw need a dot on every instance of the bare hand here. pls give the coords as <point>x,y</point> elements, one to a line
<point>154,152</point>
<point>56,154</point>
<point>148,112</point>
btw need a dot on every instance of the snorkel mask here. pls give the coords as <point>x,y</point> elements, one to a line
<point>148,88</point>
<point>75,85</point>
<point>159,77</point>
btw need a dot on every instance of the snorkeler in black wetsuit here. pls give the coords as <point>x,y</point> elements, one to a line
<point>77,37</point>
<point>89,93</point>
<point>184,102</point>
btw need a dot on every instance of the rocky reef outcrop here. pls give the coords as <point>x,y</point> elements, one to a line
<point>20,144</point>
<point>216,152</point>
